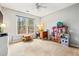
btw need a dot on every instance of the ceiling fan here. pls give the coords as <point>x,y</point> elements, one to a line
<point>39,5</point>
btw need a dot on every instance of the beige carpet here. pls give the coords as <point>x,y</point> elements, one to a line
<point>41,48</point>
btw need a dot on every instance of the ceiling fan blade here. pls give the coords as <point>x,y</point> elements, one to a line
<point>38,5</point>
<point>44,6</point>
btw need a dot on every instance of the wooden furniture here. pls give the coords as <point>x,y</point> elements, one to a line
<point>26,38</point>
<point>55,39</point>
<point>43,35</point>
<point>55,34</point>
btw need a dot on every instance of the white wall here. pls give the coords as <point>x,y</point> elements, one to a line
<point>69,16</point>
<point>10,19</point>
<point>0,8</point>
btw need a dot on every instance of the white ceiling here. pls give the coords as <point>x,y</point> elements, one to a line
<point>24,7</point>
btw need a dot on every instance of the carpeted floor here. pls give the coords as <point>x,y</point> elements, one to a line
<point>39,47</point>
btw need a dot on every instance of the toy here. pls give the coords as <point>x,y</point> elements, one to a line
<point>56,36</point>
<point>60,34</point>
<point>59,24</point>
<point>65,40</point>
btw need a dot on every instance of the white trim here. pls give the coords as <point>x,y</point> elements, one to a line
<point>74,45</point>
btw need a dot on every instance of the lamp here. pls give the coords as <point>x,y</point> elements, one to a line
<point>41,27</point>
<point>2,27</point>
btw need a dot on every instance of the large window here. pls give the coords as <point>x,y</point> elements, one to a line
<point>30,26</point>
<point>25,25</point>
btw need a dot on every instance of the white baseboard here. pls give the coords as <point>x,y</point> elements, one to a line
<point>74,45</point>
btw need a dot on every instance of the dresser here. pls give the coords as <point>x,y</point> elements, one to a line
<point>43,35</point>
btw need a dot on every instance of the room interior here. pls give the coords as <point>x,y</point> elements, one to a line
<point>39,29</point>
